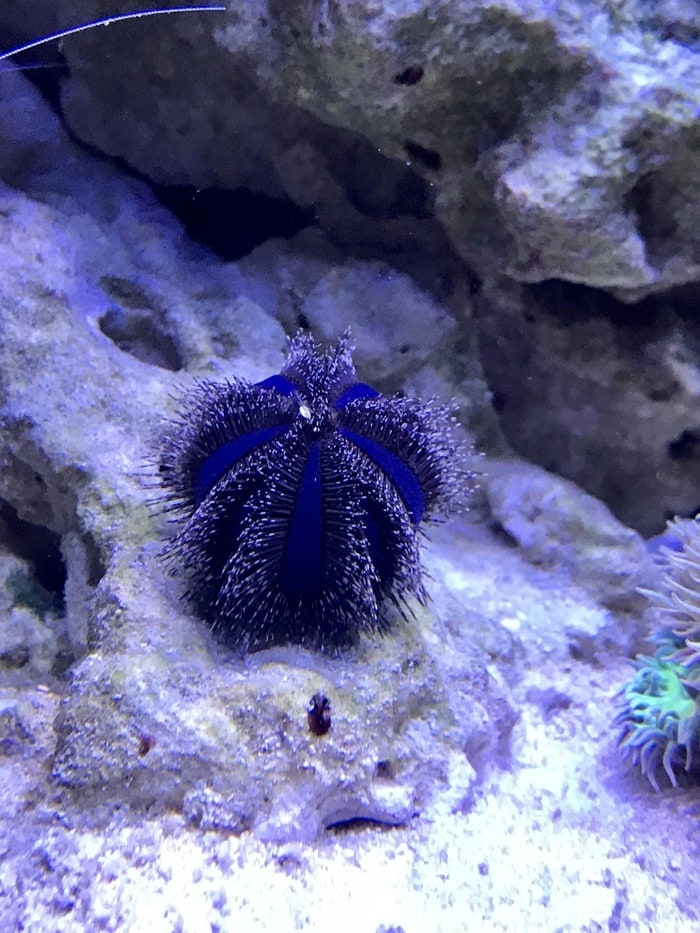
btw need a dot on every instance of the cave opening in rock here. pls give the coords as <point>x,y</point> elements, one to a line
<point>40,547</point>
<point>232,222</point>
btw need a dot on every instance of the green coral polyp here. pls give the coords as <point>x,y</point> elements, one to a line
<point>659,718</point>
<point>659,709</point>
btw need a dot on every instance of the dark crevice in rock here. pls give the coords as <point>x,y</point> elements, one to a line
<point>55,581</point>
<point>684,301</point>
<point>652,202</point>
<point>93,566</point>
<point>40,547</point>
<point>427,157</point>
<point>232,222</point>
<point>385,189</point>
<point>686,446</point>
<point>409,76</point>
<point>137,323</point>
<point>571,302</point>
<point>140,334</point>
<point>352,824</point>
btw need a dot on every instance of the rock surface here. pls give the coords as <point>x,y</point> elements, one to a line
<point>556,525</point>
<point>541,156</point>
<point>163,779</point>
<point>556,140</point>
<point>601,393</point>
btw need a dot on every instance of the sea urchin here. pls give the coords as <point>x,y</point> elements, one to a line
<point>301,498</point>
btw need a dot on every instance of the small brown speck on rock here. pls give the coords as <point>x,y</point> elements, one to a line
<point>319,714</point>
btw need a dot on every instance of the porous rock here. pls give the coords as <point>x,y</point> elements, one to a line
<point>601,393</point>
<point>484,148</point>
<point>105,308</point>
<point>557,525</point>
<point>555,140</point>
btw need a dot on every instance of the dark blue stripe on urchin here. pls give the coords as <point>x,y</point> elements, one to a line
<point>221,460</point>
<point>352,393</point>
<point>279,384</point>
<point>302,565</point>
<point>400,474</point>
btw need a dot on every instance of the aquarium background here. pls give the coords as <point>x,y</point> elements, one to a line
<point>499,200</point>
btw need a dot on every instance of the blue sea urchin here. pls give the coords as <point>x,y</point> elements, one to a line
<point>302,497</point>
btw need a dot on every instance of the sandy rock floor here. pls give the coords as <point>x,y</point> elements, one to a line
<point>565,839</point>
